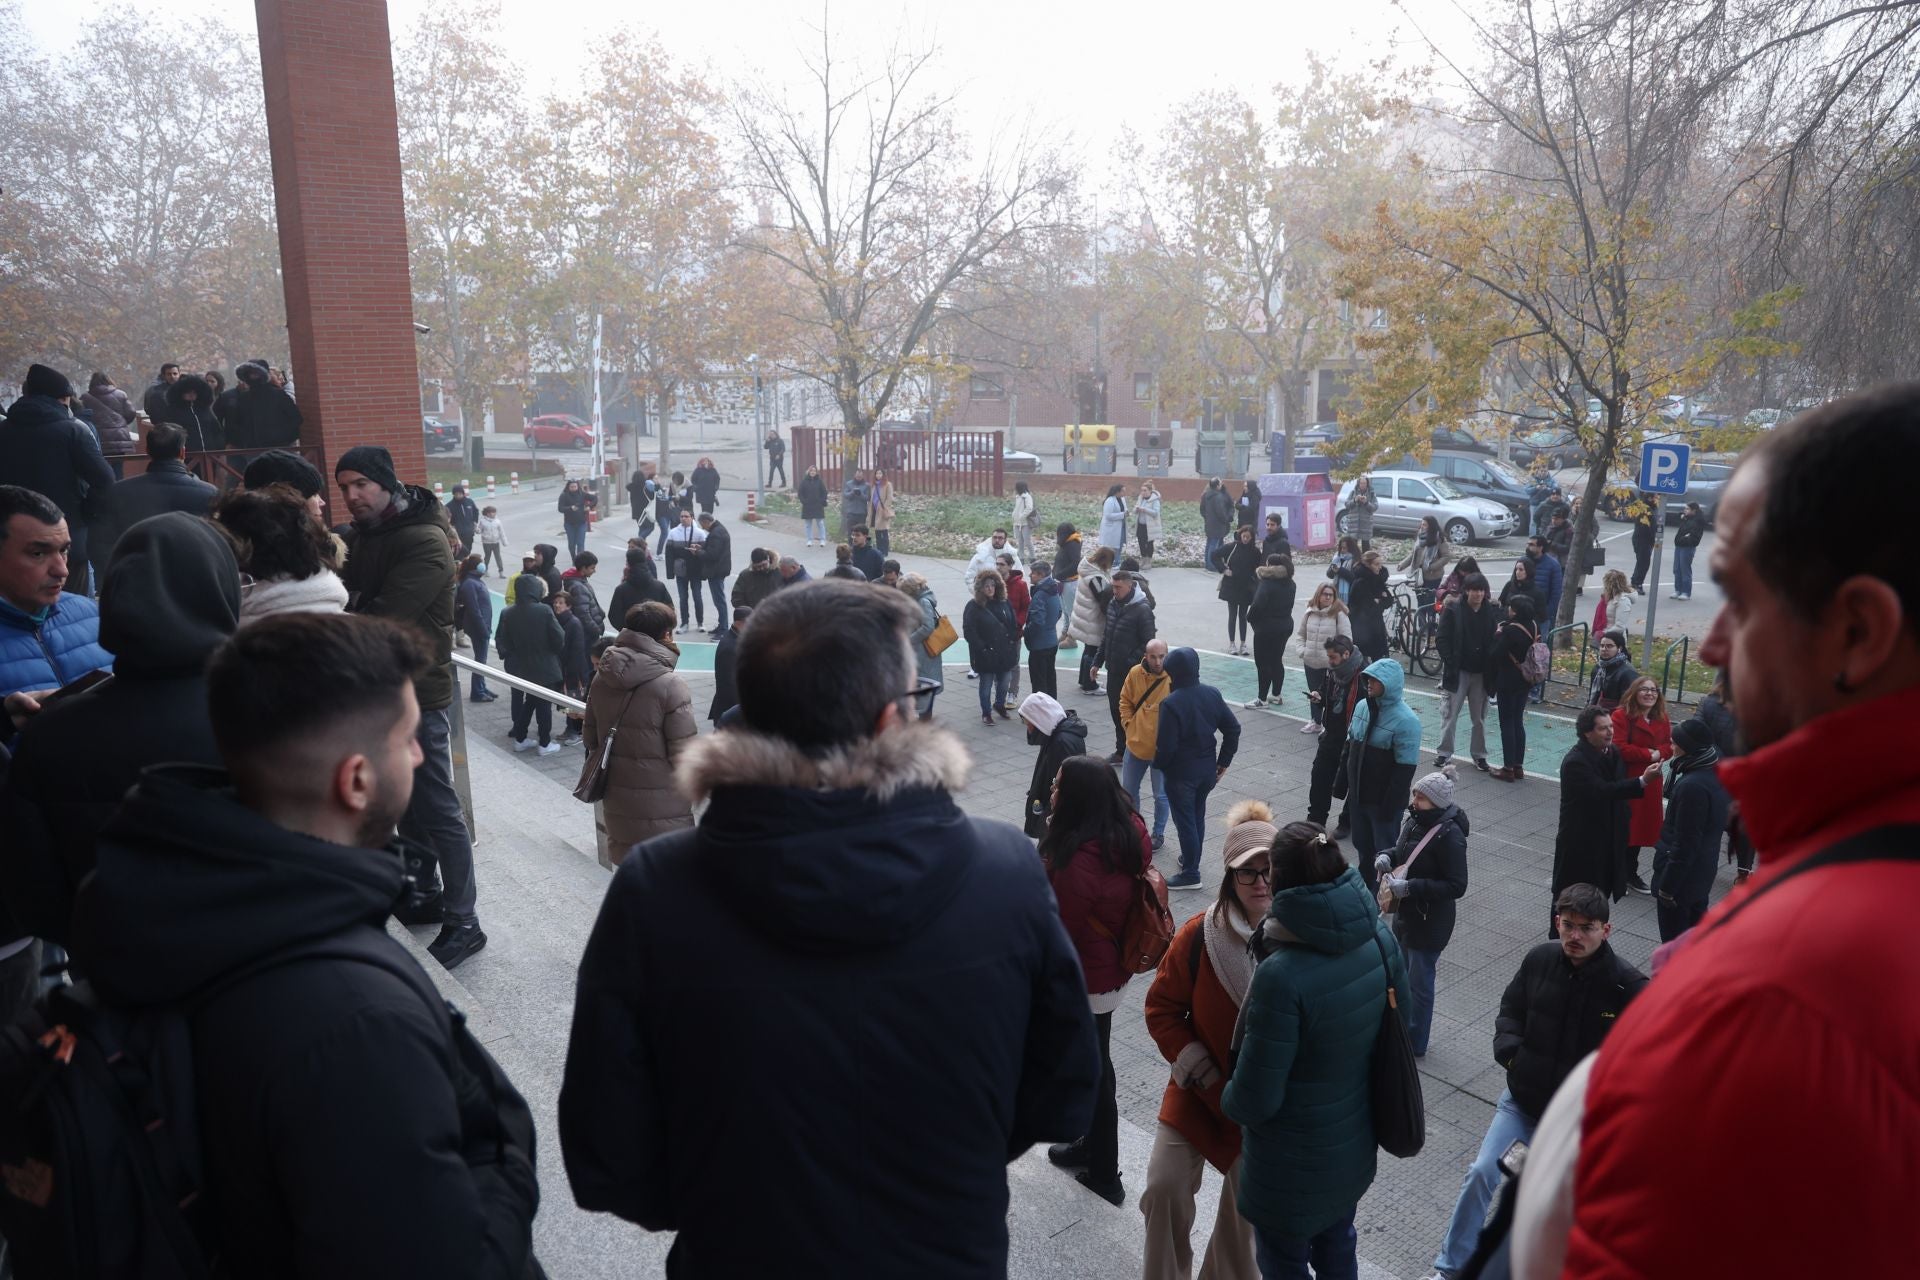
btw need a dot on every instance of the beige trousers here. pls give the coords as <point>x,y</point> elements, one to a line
<point>1173,1180</point>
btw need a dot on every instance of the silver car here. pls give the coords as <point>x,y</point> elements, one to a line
<point>1407,496</point>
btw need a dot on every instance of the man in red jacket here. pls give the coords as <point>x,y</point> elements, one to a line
<point>1756,1112</point>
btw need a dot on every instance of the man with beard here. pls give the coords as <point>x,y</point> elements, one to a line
<point>349,1124</point>
<point>400,566</point>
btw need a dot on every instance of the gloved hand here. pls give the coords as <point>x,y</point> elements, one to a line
<point>1195,1068</point>
<point>1397,886</point>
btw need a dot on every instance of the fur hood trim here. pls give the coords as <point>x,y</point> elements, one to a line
<point>1273,572</point>
<point>910,755</point>
<point>980,580</point>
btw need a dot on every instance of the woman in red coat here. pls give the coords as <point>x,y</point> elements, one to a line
<point>1094,849</point>
<point>1643,733</point>
<point>1020,596</point>
<point>1191,1011</point>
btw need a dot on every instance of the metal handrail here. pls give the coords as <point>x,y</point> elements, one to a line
<point>1685,645</point>
<point>1585,630</point>
<point>521,683</point>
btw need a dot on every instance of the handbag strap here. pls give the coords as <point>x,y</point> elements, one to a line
<point>1432,831</point>
<point>1386,971</point>
<point>1894,843</point>
<point>613,730</point>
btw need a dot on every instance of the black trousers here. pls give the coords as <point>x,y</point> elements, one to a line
<point>1269,651</point>
<point>1103,1139</point>
<point>1040,671</point>
<point>1089,663</point>
<point>1114,680</point>
<point>1327,763</point>
<point>779,468</point>
<point>1236,622</point>
<point>1642,553</point>
<point>527,707</point>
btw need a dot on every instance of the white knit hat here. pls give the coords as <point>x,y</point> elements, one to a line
<point>1042,712</point>
<point>1438,786</point>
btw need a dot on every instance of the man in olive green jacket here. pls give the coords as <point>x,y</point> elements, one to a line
<point>400,566</point>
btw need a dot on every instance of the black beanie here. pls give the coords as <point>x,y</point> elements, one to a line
<point>371,461</point>
<point>42,381</point>
<point>1691,736</point>
<point>278,466</point>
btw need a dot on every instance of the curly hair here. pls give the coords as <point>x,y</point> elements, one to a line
<point>275,536</point>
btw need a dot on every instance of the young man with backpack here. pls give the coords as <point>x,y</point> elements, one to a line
<point>345,1121</point>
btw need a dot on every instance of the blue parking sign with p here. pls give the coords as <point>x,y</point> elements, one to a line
<point>1663,468</point>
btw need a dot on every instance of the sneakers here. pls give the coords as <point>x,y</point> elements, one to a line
<point>1635,883</point>
<point>456,943</point>
<point>1184,880</point>
<point>1110,1191</point>
<point>1441,762</point>
<point>485,695</point>
<point>1117,758</point>
<point>1480,763</point>
<point>1253,703</point>
<point>1311,727</point>
<point>1158,841</point>
<point>551,749</point>
<point>524,744</point>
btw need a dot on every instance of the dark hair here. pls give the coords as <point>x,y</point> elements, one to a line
<point>679,477</point>
<point>741,612</point>
<point>1115,490</point>
<point>1475,582</point>
<point>585,560</point>
<point>651,618</point>
<point>274,534</point>
<point>1618,637</point>
<point>599,647</point>
<point>1041,568</point>
<point>1063,531</point>
<point>216,380</point>
<point>1303,853</point>
<point>291,676</point>
<point>165,442</point>
<point>1533,538</point>
<point>1863,447</point>
<point>470,563</point>
<point>1019,486</point>
<point>1582,900</point>
<point>1093,809</point>
<point>1523,565</point>
<point>823,660</point>
<point>1466,565</point>
<point>842,553</point>
<point>17,500</point>
<point>1343,643</point>
<point>636,557</point>
<point>98,380</point>
<point>860,529</point>
<point>764,555</point>
<point>1589,717</point>
<point>163,369</point>
<point>1521,607</point>
<point>890,566</point>
<point>547,552</point>
<point>1276,558</point>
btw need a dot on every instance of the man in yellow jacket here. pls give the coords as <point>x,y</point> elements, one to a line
<point>1140,699</point>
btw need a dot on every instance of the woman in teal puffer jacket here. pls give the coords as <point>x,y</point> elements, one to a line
<point>1299,1088</point>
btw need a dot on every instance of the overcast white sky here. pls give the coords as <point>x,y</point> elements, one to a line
<point>1085,68</point>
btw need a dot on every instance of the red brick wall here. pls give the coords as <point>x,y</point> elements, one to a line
<point>334,137</point>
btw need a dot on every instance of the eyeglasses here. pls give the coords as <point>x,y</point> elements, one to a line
<point>1247,875</point>
<point>1589,927</point>
<point>923,687</point>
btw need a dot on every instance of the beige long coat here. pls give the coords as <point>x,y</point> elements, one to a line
<point>656,726</point>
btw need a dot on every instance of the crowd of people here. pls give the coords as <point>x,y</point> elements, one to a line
<point>228,764</point>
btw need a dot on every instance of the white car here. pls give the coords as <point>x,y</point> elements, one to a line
<point>1406,496</point>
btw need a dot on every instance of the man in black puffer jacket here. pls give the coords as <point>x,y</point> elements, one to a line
<point>1567,996</point>
<point>1129,626</point>
<point>925,1005</point>
<point>43,447</point>
<point>169,598</point>
<point>190,407</point>
<point>265,417</point>
<point>349,1124</point>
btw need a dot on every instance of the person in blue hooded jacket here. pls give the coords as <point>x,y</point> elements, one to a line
<point>1383,749</point>
<point>1324,960</point>
<point>1190,717</point>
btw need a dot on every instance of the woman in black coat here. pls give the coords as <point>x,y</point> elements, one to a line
<point>1271,616</point>
<point>1425,893</point>
<point>993,642</point>
<point>1511,688</point>
<point>1367,600</point>
<point>812,492</point>
<point>1241,560</point>
<point>573,516</point>
<point>190,407</point>
<point>706,485</point>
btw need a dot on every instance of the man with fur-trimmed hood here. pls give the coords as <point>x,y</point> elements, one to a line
<point>838,999</point>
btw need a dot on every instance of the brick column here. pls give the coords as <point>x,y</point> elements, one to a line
<point>334,135</point>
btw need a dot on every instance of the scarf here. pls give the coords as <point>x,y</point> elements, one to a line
<point>1705,758</point>
<point>1227,937</point>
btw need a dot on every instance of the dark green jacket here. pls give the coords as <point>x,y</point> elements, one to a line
<point>403,569</point>
<point>1299,1087</point>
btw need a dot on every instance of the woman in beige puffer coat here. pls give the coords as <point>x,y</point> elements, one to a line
<point>638,689</point>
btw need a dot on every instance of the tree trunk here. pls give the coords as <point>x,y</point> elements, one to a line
<point>663,411</point>
<point>1598,459</point>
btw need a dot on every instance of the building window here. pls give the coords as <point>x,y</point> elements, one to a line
<point>986,386</point>
<point>1143,387</point>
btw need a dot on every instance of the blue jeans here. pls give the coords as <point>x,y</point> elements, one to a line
<point>1187,797</point>
<point>1132,769</point>
<point>576,538</point>
<point>816,527</point>
<point>479,641</point>
<point>722,611</point>
<point>1420,967</point>
<point>1510,1125</point>
<point>993,691</point>
<point>1683,570</point>
<point>1213,548</point>
<point>660,547</point>
<point>1332,1253</point>
<point>1375,827</point>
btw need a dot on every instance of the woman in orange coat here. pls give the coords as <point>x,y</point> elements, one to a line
<point>1191,1011</point>
<point>1643,733</point>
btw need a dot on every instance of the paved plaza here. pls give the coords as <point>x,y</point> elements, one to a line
<point>540,887</point>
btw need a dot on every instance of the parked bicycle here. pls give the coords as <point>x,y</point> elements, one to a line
<point>1413,627</point>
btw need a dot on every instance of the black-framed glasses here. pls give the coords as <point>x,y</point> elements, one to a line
<point>1247,875</point>
<point>924,687</point>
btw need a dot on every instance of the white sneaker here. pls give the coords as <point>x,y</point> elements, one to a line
<point>525,744</point>
<point>551,749</point>
<point>1315,727</point>
<point>1251,703</point>
<point>1308,727</point>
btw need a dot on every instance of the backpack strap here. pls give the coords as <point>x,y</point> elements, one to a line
<point>1894,843</point>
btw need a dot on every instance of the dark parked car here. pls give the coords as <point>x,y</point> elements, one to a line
<point>1705,481</point>
<point>441,437</point>
<point>1558,445</point>
<point>1481,477</point>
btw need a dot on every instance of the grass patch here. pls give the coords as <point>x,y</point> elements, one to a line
<point>951,526</point>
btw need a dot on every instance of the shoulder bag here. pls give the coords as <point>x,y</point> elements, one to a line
<point>941,638</point>
<point>1389,903</point>
<point>592,786</point>
<point>1393,1077</point>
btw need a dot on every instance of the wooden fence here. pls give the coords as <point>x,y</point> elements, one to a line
<point>969,462</point>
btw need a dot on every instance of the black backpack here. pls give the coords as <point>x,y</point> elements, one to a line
<point>100,1157</point>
